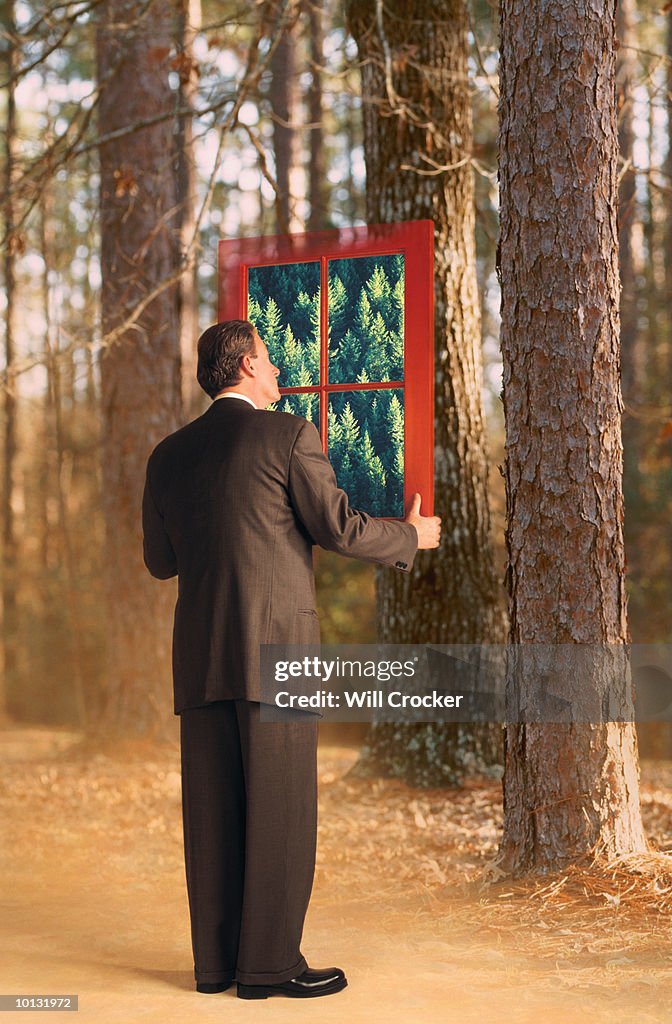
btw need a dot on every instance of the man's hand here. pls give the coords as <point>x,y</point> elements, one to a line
<point>428,527</point>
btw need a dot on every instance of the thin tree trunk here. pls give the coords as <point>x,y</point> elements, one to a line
<point>9,538</point>
<point>63,469</point>
<point>187,27</point>
<point>668,198</point>
<point>317,171</point>
<point>283,96</point>
<point>569,789</point>
<point>140,371</point>
<point>417,144</point>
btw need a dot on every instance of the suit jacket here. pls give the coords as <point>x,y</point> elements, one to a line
<point>233,503</point>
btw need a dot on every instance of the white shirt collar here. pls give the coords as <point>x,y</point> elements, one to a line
<point>235,394</point>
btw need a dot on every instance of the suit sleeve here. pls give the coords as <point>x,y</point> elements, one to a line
<point>323,509</point>
<point>157,550</point>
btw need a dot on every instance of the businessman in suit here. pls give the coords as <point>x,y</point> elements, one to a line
<point>233,504</point>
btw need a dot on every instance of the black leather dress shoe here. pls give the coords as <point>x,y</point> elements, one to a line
<point>305,986</point>
<point>213,986</point>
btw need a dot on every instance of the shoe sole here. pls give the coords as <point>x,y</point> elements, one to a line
<point>264,991</point>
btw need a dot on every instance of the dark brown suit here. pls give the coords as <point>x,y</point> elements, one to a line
<point>233,504</point>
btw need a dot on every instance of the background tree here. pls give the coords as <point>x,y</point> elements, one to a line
<point>417,142</point>
<point>318,193</point>
<point>140,364</point>
<point>283,94</point>
<point>568,789</point>
<point>11,243</point>
<point>187,25</point>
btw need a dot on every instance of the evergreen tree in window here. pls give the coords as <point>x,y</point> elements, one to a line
<point>292,360</point>
<point>376,420</point>
<point>301,315</point>
<point>349,428</point>
<point>396,327</point>
<point>255,290</point>
<point>363,319</point>
<point>305,405</point>
<point>272,332</point>
<point>338,313</point>
<point>335,436</point>
<point>379,293</point>
<point>376,360</point>
<point>348,359</point>
<point>374,479</point>
<point>395,427</point>
<point>255,315</point>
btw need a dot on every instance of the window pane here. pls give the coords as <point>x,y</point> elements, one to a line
<point>283,303</point>
<point>307,406</point>
<point>366,448</point>
<point>366,319</point>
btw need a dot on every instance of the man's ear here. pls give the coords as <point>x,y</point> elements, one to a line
<point>247,366</point>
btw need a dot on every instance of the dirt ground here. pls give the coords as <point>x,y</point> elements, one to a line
<point>94,903</point>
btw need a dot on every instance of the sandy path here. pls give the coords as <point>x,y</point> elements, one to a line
<point>94,903</point>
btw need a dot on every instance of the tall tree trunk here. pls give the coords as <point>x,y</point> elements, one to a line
<point>283,96</point>
<point>667,376</point>
<point>668,197</point>
<point>417,144</point>
<point>188,21</point>
<point>9,539</point>
<point>73,642</point>
<point>568,788</point>
<point>140,371</point>
<point>317,171</point>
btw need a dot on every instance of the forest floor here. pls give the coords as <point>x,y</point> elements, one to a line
<point>94,902</point>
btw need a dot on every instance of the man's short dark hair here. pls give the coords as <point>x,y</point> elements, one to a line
<point>220,350</point>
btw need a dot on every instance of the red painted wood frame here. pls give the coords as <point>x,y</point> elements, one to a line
<point>415,241</point>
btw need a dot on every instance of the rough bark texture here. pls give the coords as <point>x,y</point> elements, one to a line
<point>668,180</point>
<point>140,371</point>
<point>418,139</point>
<point>568,789</point>
<point>283,94</point>
<point>9,540</point>
<point>188,21</point>
<point>317,171</point>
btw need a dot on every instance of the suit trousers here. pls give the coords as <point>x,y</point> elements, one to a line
<point>249,805</point>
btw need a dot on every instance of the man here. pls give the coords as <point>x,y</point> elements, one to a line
<point>233,504</point>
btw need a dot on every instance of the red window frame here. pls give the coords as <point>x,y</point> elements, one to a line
<point>415,241</point>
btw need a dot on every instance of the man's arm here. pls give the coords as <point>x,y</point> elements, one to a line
<point>158,551</point>
<point>323,508</point>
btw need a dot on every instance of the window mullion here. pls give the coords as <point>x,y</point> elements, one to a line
<point>324,346</point>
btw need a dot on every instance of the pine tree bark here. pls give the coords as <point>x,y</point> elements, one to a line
<point>317,170</point>
<point>283,96</point>
<point>569,789</point>
<point>668,181</point>
<point>63,459</point>
<point>417,144</point>
<point>9,538</point>
<point>188,21</point>
<point>140,371</point>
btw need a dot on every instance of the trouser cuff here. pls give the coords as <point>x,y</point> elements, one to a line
<point>276,978</point>
<point>215,977</point>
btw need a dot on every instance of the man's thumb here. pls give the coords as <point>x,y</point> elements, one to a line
<point>414,507</point>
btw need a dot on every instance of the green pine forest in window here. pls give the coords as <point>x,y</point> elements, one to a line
<point>365,429</point>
